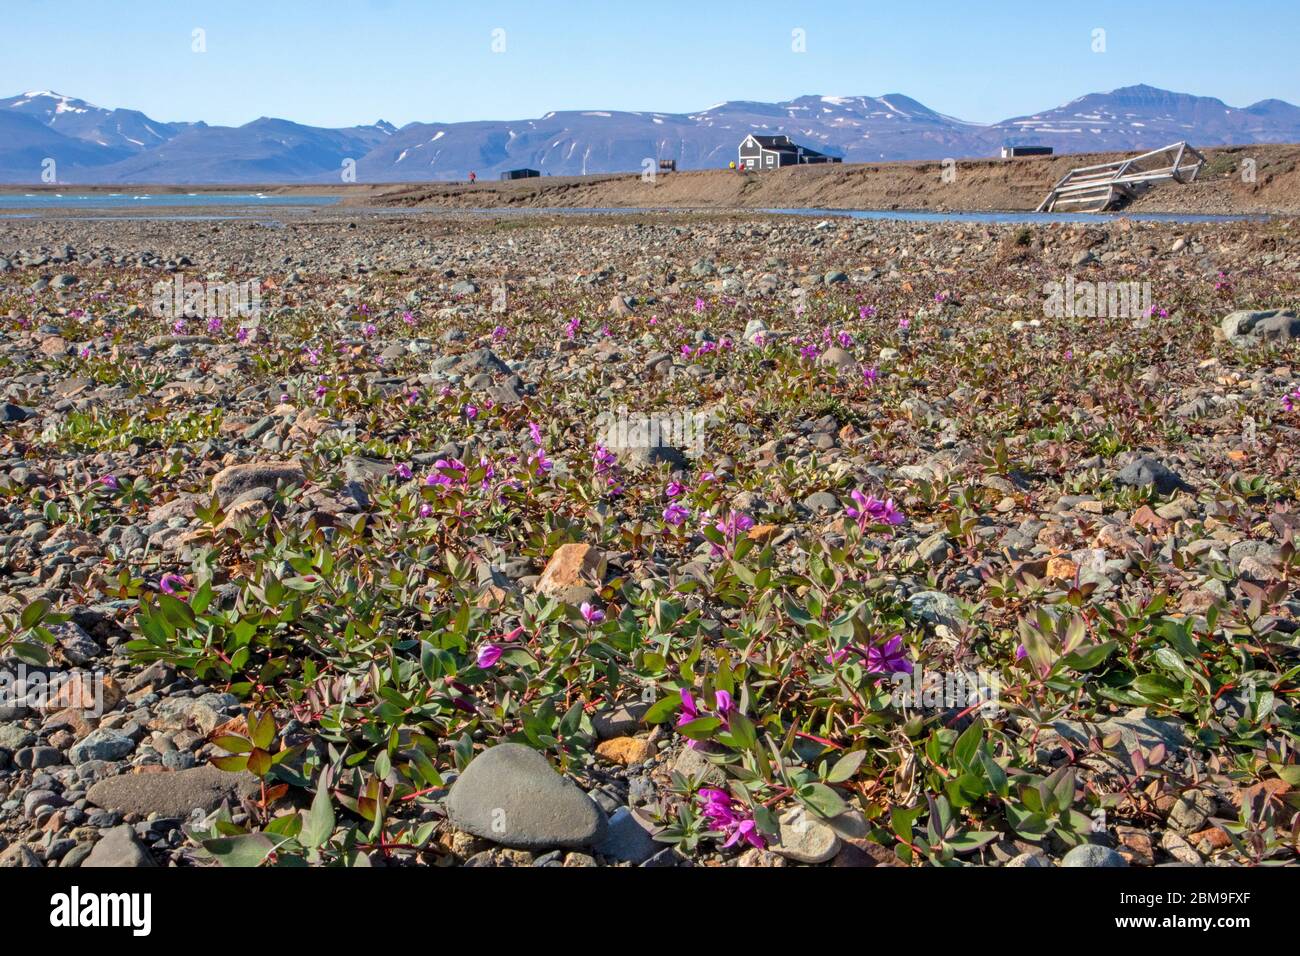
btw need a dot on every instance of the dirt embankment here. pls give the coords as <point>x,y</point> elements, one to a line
<point>978,185</point>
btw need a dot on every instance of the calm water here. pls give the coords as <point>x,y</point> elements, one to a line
<point>74,200</point>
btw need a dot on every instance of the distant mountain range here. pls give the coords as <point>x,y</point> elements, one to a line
<point>90,144</point>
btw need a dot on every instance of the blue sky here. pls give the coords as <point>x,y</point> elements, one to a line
<point>341,62</point>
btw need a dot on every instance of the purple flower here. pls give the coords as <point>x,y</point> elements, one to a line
<point>675,489</point>
<point>1021,653</point>
<point>730,817</point>
<point>676,513</point>
<point>871,509</point>
<point>471,412</point>
<point>590,614</point>
<point>241,335</point>
<point>488,655</point>
<point>890,658</point>
<point>499,333</point>
<point>700,305</point>
<point>110,482</point>
<point>904,324</point>
<point>426,510</point>
<point>870,376</point>
<point>169,583</point>
<point>408,318</point>
<point>402,471</point>
<point>214,325</point>
<point>535,434</point>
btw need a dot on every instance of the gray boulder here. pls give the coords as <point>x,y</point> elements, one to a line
<point>510,795</point>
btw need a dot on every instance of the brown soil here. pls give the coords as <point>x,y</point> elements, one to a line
<point>981,185</point>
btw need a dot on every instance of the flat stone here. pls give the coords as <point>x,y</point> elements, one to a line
<point>173,795</point>
<point>804,838</point>
<point>509,794</point>
<point>231,482</point>
<point>119,848</point>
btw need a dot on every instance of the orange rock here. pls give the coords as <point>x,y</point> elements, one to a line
<point>80,692</point>
<point>626,751</point>
<point>572,565</point>
<point>1061,569</point>
<point>763,533</point>
<point>1215,837</point>
<point>1237,455</point>
<point>53,346</point>
<point>1135,846</point>
<point>1144,519</point>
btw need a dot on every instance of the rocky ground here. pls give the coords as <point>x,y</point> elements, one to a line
<point>362,579</point>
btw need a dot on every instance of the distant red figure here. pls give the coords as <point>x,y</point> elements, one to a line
<point>472,177</point>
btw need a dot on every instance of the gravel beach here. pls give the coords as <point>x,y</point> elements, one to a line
<point>667,539</point>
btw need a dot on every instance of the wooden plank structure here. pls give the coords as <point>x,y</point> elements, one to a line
<point>1111,185</point>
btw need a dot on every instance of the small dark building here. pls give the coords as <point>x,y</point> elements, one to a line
<point>1011,152</point>
<point>668,165</point>
<point>520,174</point>
<point>771,152</point>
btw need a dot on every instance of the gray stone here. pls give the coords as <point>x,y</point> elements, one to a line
<point>480,361</point>
<point>629,839</point>
<point>836,358</point>
<point>1247,329</point>
<point>691,763</point>
<point>1092,855</point>
<point>935,607</point>
<point>509,794</point>
<point>619,721</point>
<point>231,482</point>
<point>119,848</point>
<point>934,549</point>
<point>173,795</point>
<point>637,457</point>
<point>1146,471</point>
<point>101,745</point>
<point>1032,860</point>
<point>1191,810</point>
<point>805,838</point>
<point>822,503</point>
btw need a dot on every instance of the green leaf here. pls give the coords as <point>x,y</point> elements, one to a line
<point>319,825</point>
<point>822,798</point>
<point>261,729</point>
<point>846,766</point>
<point>34,613</point>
